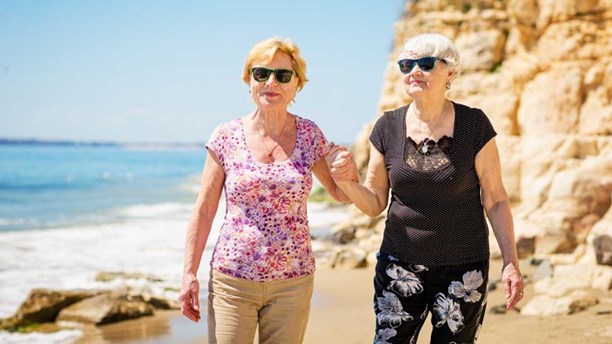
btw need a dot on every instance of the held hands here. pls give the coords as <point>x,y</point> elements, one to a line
<point>513,285</point>
<point>190,297</point>
<point>341,165</point>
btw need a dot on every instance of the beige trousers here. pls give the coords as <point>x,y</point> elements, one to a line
<point>236,306</point>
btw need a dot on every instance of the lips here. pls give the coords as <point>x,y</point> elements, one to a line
<point>269,94</point>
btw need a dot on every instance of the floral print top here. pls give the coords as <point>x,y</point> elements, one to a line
<point>265,234</point>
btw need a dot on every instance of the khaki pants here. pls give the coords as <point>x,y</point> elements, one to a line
<point>236,306</point>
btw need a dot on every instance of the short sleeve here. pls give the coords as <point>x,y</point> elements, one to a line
<point>377,136</point>
<point>320,144</point>
<point>215,143</point>
<point>484,131</point>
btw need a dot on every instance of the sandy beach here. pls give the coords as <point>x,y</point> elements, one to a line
<point>341,305</point>
<point>342,313</point>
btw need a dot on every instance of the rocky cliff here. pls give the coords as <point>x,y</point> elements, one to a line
<point>542,71</point>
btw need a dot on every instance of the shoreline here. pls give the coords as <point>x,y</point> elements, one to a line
<point>341,312</point>
<point>335,296</point>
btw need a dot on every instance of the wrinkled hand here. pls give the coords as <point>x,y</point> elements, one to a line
<point>513,285</point>
<point>340,162</point>
<point>190,297</point>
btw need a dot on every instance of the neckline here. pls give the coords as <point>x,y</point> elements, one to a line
<point>438,140</point>
<point>454,138</point>
<point>443,137</point>
<point>289,157</point>
<point>444,148</point>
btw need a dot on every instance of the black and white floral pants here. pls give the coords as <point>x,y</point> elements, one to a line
<point>456,296</point>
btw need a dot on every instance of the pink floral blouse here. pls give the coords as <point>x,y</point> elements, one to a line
<point>265,234</point>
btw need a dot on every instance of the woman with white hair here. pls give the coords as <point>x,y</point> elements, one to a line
<point>440,162</point>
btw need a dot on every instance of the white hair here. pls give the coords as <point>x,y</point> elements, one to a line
<point>433,44</point>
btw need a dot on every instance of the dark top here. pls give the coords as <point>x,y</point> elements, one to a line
<point>435,216</point>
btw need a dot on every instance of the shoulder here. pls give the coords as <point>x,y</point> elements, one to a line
<point>227,128</point>
<point>393,117</point>
<point>472,113</point>
<point>307,127</point>
<point>306,123</point>
<point>395,114</point>
<point>232,125</point>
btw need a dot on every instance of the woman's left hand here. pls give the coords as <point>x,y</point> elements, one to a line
<point>513,285</point>
<point>341,164</point>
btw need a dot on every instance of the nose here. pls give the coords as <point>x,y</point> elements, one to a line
<point>416,69</point>
<point>272,80</point>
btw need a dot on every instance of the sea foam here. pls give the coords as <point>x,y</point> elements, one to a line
<point>150,241</point>
<point>60,337</point>
<point>67,258</point>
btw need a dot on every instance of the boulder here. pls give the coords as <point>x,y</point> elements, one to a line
<point>43,305</point>
<point>350,258</point>
<point>161,303</point>
<point>544,270</point>
<point>567,278</point>
<point>603,249</point>
<point>106,308</point>
<point>546,305</point>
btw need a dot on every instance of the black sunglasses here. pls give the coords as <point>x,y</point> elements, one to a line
<point>425,64</point>
<point>261,74</point>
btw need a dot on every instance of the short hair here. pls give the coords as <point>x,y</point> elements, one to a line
<point>264,51</point>
<point>434,44</point>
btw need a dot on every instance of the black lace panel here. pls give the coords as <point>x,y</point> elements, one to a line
<point>435,156</point>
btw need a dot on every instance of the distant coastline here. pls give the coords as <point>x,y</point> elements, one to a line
<point>74,143</point>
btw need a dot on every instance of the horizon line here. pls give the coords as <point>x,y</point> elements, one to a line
<point>104,143</point>
<point>100,143</point>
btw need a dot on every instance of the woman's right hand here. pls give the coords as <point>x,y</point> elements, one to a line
<point>514,285</point>
<point>190,297</point>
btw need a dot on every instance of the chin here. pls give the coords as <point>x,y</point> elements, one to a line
<point>414,93</point>
<point>270,106</point>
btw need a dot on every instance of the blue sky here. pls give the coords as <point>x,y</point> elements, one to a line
<point>170,71</point>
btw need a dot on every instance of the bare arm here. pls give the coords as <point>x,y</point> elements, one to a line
<point>202,216</point>
<point>497,207</point>
<point>372,196</point>
<point>322,173</point>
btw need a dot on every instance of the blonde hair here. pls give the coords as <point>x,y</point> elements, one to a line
<point>264,51</point>
<point>434,44</point>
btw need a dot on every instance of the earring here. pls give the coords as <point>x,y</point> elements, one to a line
<point>448,85</point>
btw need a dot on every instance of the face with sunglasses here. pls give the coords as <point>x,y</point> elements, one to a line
<point>273,84</point>
<point>424,74</point>
<point>426,64</point>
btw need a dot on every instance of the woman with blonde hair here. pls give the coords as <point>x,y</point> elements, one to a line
<point>262,265</point>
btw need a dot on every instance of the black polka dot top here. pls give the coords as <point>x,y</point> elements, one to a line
<point>435,215</point>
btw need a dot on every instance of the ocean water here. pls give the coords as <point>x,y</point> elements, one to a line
<point>69,212</point>
<point>50,186</point>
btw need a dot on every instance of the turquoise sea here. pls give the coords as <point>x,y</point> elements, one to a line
<point>47,185</point>
<point>69,211</point>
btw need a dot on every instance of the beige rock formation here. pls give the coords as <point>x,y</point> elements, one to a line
<point>542,71</point>
<point>106,308</point>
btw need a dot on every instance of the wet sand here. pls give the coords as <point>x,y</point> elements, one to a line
<point>342,313</point>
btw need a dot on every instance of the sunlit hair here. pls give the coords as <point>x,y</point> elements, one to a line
<point>433,44</point>
<point>263,52</point>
